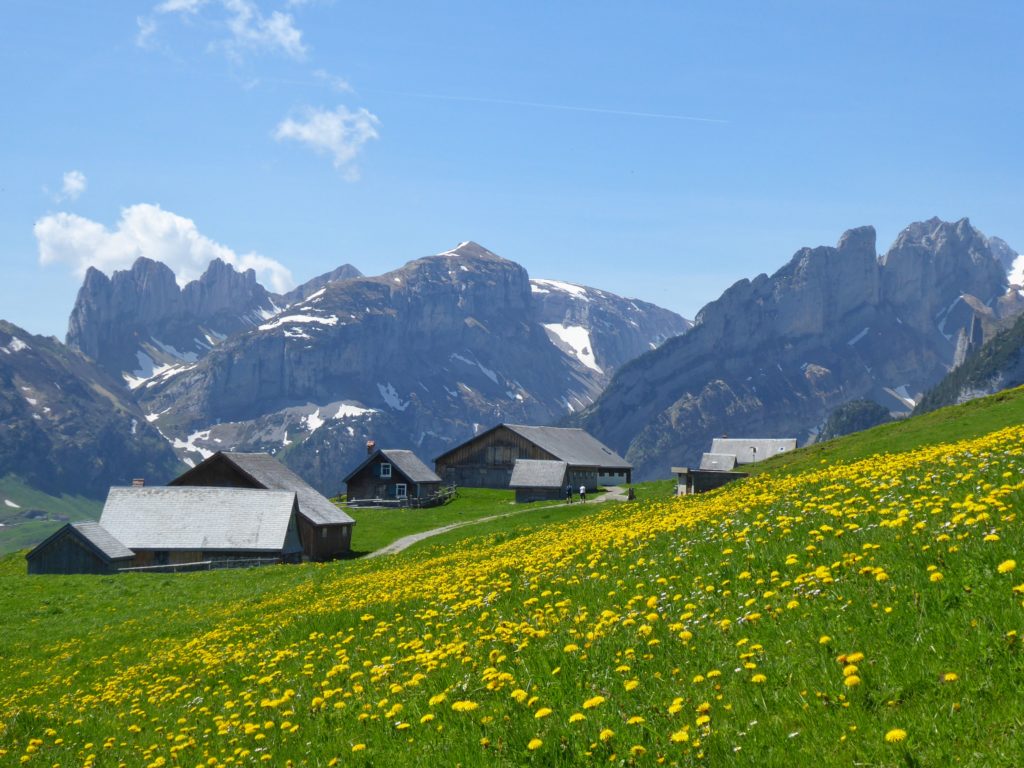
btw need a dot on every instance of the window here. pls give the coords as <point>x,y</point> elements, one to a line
<point>385,470</point>
<point>400,491</point>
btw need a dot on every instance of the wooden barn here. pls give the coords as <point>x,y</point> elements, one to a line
<point>164,526</point>
<point>487,460</point>
<point>538,480</point>
<point>79,548</point>
<point>324,529</point>
<point>392,475</point>
<point>718,466</point>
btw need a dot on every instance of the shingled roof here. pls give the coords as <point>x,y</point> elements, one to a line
<point>533,473</point>
<point>406,462</point>
<point>719,462</point>
<point>748,451</point>
<point>201,518</point>
<point>103,540</point>
<point>575,447</point>
<point>267,472</point>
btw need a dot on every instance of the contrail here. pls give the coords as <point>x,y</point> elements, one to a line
<point>564,107</point>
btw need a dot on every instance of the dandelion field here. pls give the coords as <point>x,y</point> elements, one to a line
<point>867,612</point>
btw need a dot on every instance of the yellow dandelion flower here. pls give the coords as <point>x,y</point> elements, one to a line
<point>636,750</point>
<point>535,743</point>
<point>593,701</point>
<point>850,669</point>
<point>936,576</point>
<point>435,700</point>
<point>854,658</point>
<point>519,695</point>
<point>680,736</point>
<point>426,718</point>
<point>851,681</point>
<point>606,734</point>
<point>635,720</point>
<point>759,678</point>
<point>895,735</point>
<point>464,706</point>
<point>629,685</point>
<point>542,712</point>
<point>824,640</point>
<point>358,747</point>
<point>950,677</point>
<point>1006,566</point>
<point>576,717</point>
<point>703,720</point>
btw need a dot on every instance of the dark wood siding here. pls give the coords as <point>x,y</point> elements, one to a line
<point>216,474</point>
<point>66,554</point>
<point>324,542</point>
<point>368,483</point>
<point>526,495</point>
<point>487,461</point>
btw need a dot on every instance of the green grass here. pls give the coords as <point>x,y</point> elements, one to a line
<point>972,419</point>
<point>693,599</point>
<point>20,531</point>
<point>376,528</point>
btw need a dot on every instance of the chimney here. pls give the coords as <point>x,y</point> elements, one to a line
<point>371,446</point>
<point>139,482</point>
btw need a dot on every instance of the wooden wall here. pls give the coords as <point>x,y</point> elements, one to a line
<point>67,554</point>
<point>486,461</point>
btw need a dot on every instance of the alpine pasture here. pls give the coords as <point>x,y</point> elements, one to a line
<point>866,611</point>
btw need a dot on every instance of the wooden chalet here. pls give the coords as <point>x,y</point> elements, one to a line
<point>324,529</point>
<point>392,475</point>
<point>487,460</point>
<point>534,480</point>
<point>173,527</point>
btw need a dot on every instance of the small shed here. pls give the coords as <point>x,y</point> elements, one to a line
<point>79,548</point>
<point>324,529</point>
<point>539,480</point>
<point>702,480</point>
<point>395,476</point>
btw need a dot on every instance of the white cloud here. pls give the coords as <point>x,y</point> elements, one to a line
<point>73,185</point>
<point>145,230</point>
<point>339,133</point>
<point>335,82</point>
<point>249,28</point>
<point>147,28</point>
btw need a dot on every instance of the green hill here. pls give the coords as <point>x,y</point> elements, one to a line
<point>837,608</point>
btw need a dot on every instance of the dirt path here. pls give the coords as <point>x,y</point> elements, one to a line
<point>612,494</point>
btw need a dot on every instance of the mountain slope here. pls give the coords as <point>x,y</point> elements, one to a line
<point>68,428</point>
<point>775,355</point>
<point>420,357</point>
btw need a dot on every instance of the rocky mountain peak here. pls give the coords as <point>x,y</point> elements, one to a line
<point>858,239</point>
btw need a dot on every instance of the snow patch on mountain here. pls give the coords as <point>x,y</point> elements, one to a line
<point>15,345</point>
<point>538,285</point>
<point>390,395</point>
<point>298,319</point>
<point>577,338</point>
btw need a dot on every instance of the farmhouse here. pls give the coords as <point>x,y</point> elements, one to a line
<point>163,526</point>
<point>718,466</point>
<point>538,480</point>
<point>324,529</point>
<point>487,460</point>
<point>392,475</point>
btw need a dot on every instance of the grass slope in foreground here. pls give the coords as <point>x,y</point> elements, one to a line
<point>867,612</point>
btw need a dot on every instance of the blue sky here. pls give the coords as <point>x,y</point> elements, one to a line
<point>660,150</point>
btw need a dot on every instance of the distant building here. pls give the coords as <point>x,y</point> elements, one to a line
<point>392,475</point>
<point>487,460</point>
<point>164,526</point>
<point>538,480</point>
<point>718,466</point>
<point>324,529</point>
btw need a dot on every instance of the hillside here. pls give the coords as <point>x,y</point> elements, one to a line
<point>774,356</point>
<point>998,364</point>
<point>840,613</point>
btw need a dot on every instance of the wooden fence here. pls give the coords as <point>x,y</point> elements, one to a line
<point>436,500</point>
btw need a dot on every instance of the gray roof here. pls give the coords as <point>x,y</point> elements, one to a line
<point>721,462</point>
<point>275,476</point>
<point>103,540</point>
<point>196,517</point>
<point>743,448</point>
<point>574,446</point>
<point>409,464</point>
<point>530,473</point>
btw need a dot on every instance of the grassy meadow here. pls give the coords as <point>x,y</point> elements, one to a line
<point>850,608</point>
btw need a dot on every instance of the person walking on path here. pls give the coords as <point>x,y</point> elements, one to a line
<point>568,494</point>
<point>583,494</point>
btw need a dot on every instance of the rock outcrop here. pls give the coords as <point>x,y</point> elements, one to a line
<point>774,356</point>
